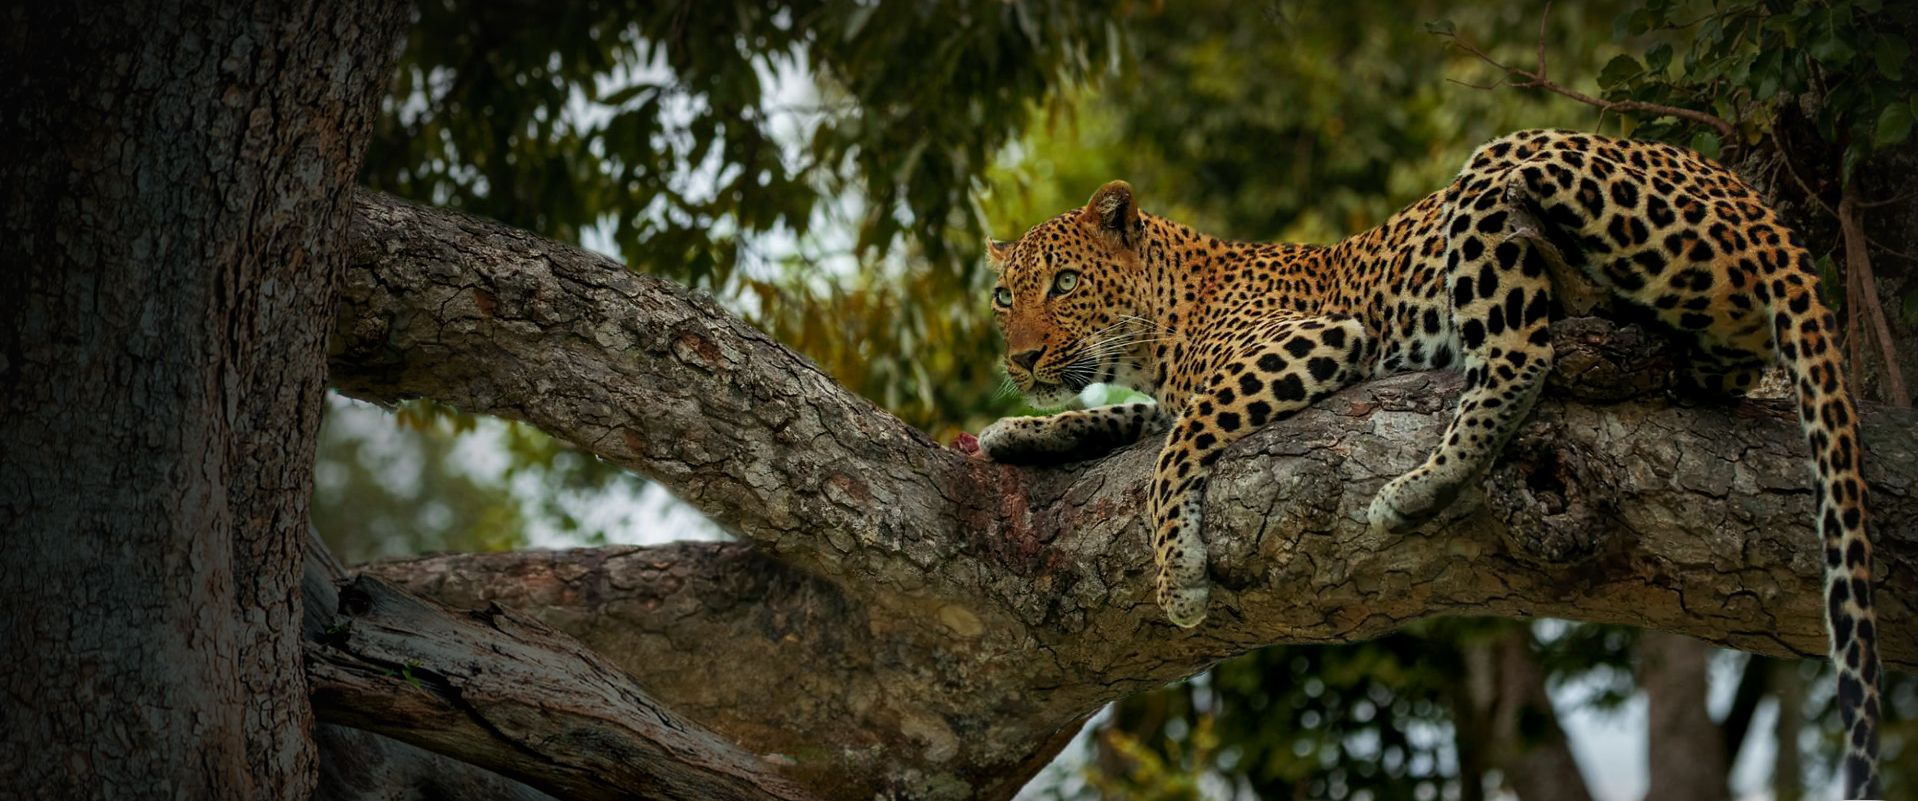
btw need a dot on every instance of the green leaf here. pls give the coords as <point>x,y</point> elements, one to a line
<point>1707,144</point>
<point>1657,58</point>
<point>1712,31</point>
<point>1834,288</point>
<point>1791,25</point>
<point>1641,21</point>
<point>1738,69</point>
<point>1831,41</point>
<point>1894,126</point>
<point>1890,53</point>
<point>1848,164</point>
<point>856,21</point>
<point>1441,27</point>
<point>1768,73</point>
<point>1619,70</point>
<point>1911,309</point>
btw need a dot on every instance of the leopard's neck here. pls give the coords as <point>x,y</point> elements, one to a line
<point>1199,280</point>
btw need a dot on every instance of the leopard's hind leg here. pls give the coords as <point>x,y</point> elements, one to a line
<point>1501,293</point>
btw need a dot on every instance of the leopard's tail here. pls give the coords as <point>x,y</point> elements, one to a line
<point>1806,337</point>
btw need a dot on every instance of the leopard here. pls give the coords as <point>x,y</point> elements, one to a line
<point>1226,337</point>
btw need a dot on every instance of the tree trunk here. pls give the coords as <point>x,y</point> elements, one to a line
<point>1686,749</point>
<point>176,197</point>
<point>937,626</point>
<point>1535,755</point>
<point>1787,782</point>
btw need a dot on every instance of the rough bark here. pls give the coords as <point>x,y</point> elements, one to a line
<point>937,626</point>
<point>509,694</point>
<point>176,191</point>
<point>358,765</point>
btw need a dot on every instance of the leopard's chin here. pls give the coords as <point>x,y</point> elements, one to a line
<point>1050,396</point>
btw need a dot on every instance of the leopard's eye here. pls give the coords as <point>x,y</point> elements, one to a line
<point>1002,296</point>
<point>1064,282</point>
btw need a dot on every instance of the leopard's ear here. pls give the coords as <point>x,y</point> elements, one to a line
<point>999,253</point>
<point>1114,215</point>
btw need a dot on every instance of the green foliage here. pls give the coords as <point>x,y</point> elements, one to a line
<point>1750,62</point>
<point>1378,719</point>
<point>658,120</point>
<point>1294,120</point>
<point>1329,721</point>
<point>386,490</point>
<point>405,672</point>
<point>1165,773</point>
<point>405,483</point>
<point>694,139</point>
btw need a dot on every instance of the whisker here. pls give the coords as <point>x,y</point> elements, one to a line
<point>1137,339</point>
<point>1109,346</point>
<point>1153,326</point>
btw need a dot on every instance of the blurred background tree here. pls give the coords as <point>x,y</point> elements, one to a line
<point>828,168</point>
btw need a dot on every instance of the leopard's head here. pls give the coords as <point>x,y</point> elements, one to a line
<point>1067,297</point>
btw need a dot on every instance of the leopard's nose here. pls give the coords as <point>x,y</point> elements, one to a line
<point>1027,358</point>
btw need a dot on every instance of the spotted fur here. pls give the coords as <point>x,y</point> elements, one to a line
<point>1229,336</point>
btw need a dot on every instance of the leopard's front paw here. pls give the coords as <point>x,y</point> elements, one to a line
<point>1408,501</point>
<point>1000,440</point>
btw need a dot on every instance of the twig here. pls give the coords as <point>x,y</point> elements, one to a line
<point>1536,79</point>
<point>1858,267</point>
<point>1861,287</point>
<point>1784,154</point>
<point>1854,301</point>
<point>1872,204</point>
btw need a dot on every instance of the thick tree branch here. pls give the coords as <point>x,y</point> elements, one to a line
<point>508,693</point>
<point>644,373</point>
<point>937,625</point>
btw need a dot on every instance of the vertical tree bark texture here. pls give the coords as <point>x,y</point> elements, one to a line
<point>1787,776</point>
<point>175,201</point>
<point>1535,755</point>
<point>1687,756</point>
